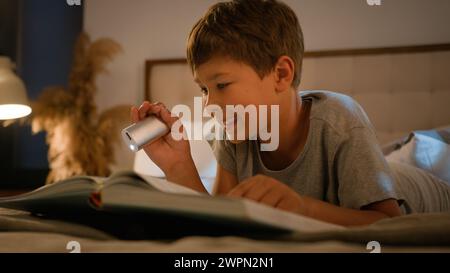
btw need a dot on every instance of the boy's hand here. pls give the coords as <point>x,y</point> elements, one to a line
<point>169,154</point>
<point>269,191</point>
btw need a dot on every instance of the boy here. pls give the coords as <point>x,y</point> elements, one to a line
<point>328,164</point>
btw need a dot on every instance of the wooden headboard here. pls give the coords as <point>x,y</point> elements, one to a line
<point>401,88</point>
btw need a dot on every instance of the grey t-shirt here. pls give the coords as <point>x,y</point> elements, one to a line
<point>341,162</point>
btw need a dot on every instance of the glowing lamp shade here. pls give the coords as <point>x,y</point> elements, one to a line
<point>13,96</point>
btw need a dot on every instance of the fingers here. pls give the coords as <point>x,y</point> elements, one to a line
<point>257,192</point>
<point>145,110</point>
<point>241,189</point>
<point>284,204</point>
<point>262,190</point>
<point>272,198</point>
<point>159,110</point>
<point>260,193</point>
<point>134,114</point>
<point>256,183</point>
<point>142,111</point>
<point>166,116</point>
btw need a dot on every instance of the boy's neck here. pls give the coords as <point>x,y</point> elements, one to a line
<point>293,131</point>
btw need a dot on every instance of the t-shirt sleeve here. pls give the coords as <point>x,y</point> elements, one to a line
<point>363,174</point>
<point>225,153</point>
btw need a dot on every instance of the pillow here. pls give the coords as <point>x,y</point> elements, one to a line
<point>426,150</point>
<point>442,134</point>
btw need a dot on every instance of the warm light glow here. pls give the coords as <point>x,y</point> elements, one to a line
<point>13,111</point>
<point>133,148</point>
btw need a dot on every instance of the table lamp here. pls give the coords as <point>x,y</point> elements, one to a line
<point>13,96</point>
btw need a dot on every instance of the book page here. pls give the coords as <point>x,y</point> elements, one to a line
<point>157,183</point>
<point>276,217</point>
<point>167,186</point>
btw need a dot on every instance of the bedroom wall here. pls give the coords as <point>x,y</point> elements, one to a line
<point>158,29</point>
<point>46,32</point>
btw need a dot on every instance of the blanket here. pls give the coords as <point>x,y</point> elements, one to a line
<point>22,232</point>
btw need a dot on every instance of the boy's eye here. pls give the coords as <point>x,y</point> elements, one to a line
<point>222,85</point>
<point>204,91</point>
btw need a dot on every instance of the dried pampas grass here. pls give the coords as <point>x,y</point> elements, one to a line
<point>80,143</point>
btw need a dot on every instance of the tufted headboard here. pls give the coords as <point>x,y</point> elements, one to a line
<point>401,88</point>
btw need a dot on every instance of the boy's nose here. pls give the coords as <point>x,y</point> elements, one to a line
<point>213,105</point>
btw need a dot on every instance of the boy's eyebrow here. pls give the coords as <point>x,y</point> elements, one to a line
<point>213,77</point>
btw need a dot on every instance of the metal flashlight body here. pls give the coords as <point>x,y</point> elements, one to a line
<point>137,135</point>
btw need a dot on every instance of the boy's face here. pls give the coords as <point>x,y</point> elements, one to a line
<point>228,82</point>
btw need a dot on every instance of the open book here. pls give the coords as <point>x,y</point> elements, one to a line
<point>135,206</point>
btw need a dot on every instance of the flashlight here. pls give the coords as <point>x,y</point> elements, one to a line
<point>143,132</point>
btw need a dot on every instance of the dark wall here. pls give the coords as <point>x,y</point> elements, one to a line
<point>9,10</point>
<point>47,32</point>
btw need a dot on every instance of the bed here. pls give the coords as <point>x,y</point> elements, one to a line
<point>21,232</point>
<point>402,89</point>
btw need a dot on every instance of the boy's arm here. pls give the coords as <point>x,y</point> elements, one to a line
<point>224,182</point>
<point>186,175</point>
<point>369,214</point>
<point>271,192</point>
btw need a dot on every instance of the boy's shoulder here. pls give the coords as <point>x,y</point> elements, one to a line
<point>337,110</point>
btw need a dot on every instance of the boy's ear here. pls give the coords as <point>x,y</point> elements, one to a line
<point>284,73</point>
